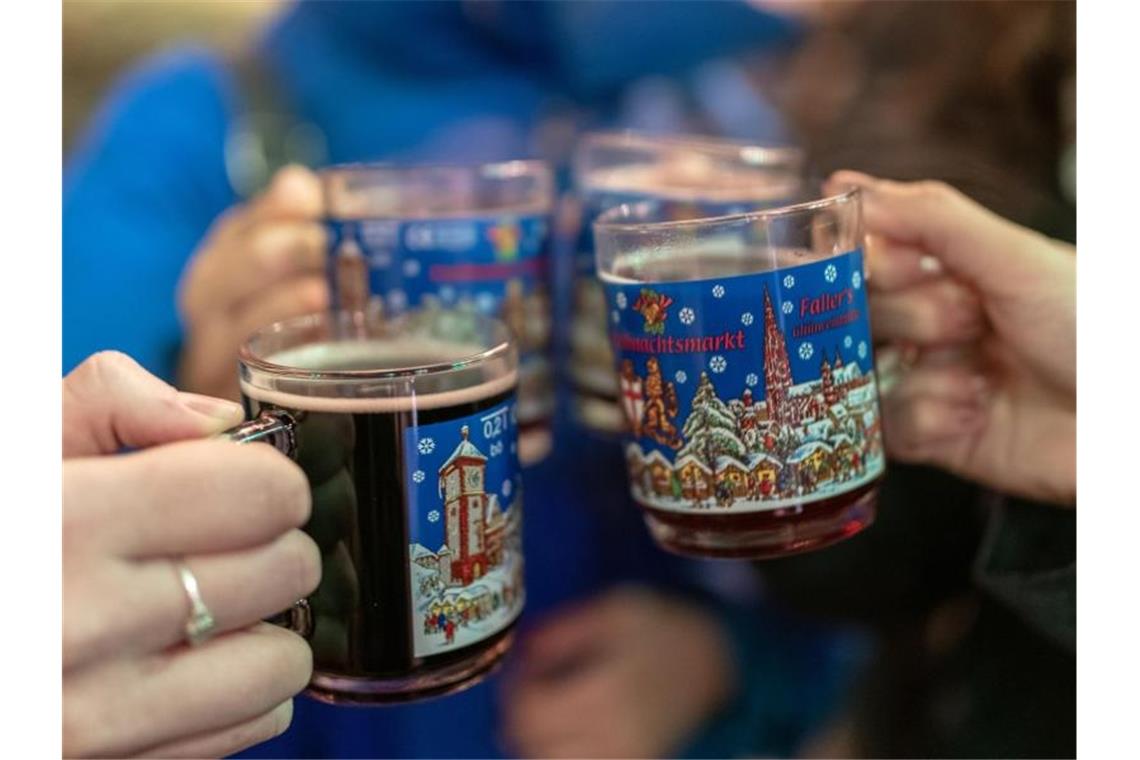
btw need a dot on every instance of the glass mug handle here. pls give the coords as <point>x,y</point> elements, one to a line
<point>279,430</point>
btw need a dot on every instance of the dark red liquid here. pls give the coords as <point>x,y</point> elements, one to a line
<point>361,616</point>
<point>765,535</point>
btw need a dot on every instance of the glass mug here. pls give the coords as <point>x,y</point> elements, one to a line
<point>744,362</point>
<point>406,431</point>
<point>699,176</point>
<point>472,238</point>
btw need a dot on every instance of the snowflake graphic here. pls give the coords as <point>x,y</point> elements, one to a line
<point>718,364</point>
<point>418,476</point>
<point>447,293</point>
<point>485,302</point>
<point>830,273</point>
<point>806,350</point>
<point>686,316</point>
<point>620,300</point>
<point>856,280</point>
<point>789,281</point>
<point>718,291</point>
<point>862,349</point>
<point>506,489</point>
<point>751,379</point>
<point>433,516</point>
<point>788,307</point>
<point>847,341</point>
<point>426,445</point>
<point>746,318</point>
<point>681,377</point>
<point>411,268</point>
<point>615,316</point>
<point>397,300</point>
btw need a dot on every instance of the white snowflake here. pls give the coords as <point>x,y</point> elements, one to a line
<point>862,349</point>
<point>789,281</point>
<point>426,445</point>
<point>447,294</point>
<point>830,273</point>
<point>620,300</point>
<point>615,316</point>
<point>746,318</point>
<point>397,300</point>
<point>718,291</point>
<point>433,516</point>
<point>411,267</point>
<point>506,489</point>
<point>847,342</point>
<point>788,307</point>
<point>806,350</point>
<point>856,279</point>
<point>751,379</point>
<point>687,316</point>
<point>418,476</point>
<point>718,364</point>
<point>681,377</point>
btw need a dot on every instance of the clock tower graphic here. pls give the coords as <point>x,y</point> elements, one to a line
<point>467,510</point>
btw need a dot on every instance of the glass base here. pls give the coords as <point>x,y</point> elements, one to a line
<point>348,690</point>
<point>764,535</point>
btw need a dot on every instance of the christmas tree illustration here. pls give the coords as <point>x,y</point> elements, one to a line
<point>710,430</point>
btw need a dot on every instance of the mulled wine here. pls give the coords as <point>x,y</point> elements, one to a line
<point>746,377</point>
<point>410,448</point>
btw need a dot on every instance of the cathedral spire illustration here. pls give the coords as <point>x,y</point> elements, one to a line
<point>777,369</point>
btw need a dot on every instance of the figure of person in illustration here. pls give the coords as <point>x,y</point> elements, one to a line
<point>449,631</point>
<point>660,407</point>
<point>632,396</point>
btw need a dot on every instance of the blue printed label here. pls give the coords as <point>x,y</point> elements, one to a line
<point>750,392</point>
<point>494,266</point>
<point>464,523</point>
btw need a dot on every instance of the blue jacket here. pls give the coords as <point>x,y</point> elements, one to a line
<point>415,81</point>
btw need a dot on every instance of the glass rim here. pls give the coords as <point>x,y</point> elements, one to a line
<point>612,219</point>
<point>508,169</point>
<point>752,153</point>
<point>249,357</point>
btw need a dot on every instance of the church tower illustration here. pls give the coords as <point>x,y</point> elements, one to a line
<point>777,369</point>
<point>465,502</point>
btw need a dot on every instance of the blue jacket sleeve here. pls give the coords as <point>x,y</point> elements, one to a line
<point>140,191</point>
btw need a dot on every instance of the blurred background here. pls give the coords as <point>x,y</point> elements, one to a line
<point>894,643</point>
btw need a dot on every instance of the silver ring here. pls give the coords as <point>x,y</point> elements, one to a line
<point>200,624</point>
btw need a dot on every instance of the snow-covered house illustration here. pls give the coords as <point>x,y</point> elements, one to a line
<point>660,472</point>
<point>465,513</point>
<point>695,477</point>
<point>813,458</point>
<point>732,475</point>
<point>764,470</point>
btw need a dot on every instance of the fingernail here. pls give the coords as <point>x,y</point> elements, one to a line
<point>214,408</point>
<point>930,265</point>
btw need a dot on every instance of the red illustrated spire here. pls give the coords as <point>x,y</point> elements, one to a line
<point>777,369</point>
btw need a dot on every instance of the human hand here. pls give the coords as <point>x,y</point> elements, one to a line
<point>990,309</point>
<point>260,263</point>
<point>130,687</point>
<point>630,674</point>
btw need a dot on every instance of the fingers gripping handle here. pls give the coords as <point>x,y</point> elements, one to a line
<point>279,430</point>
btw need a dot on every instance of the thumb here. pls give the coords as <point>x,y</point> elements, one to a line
<point>110,402</point>
<point>293,193</point>
<point>969,240</point>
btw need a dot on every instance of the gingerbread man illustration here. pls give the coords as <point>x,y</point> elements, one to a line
<point>660,407</point>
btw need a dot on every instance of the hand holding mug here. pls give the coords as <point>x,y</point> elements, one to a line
<point>991,306</point>
<point>261,262</point>
<point>131,522</point>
